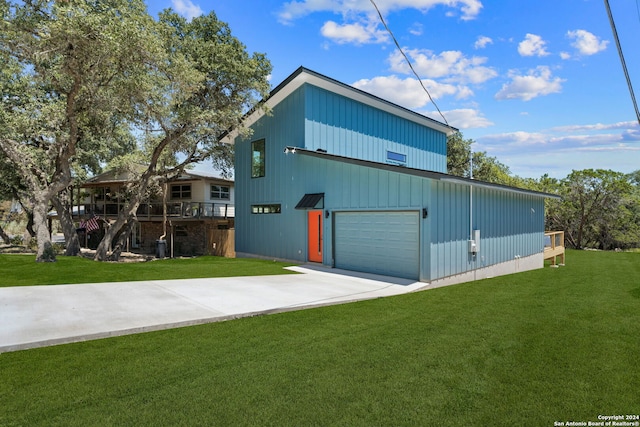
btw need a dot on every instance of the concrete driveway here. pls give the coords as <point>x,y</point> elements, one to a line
<point>37,316</point>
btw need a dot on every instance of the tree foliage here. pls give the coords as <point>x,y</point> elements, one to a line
<point>485,167</point>
<point>202,85</point>
<point>85,82</point>
<point>68,69</point>
<point>597,210</point>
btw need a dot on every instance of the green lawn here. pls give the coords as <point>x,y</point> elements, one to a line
<point>22,270</point>
<point>529,350</point>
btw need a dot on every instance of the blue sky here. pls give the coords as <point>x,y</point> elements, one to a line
<point>537,84</point>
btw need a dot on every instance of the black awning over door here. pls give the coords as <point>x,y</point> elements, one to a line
<point>311,201</point>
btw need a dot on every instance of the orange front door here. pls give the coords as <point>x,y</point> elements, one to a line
<point>315,236</point>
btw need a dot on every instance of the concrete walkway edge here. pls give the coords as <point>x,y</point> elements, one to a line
<point>40,316</point>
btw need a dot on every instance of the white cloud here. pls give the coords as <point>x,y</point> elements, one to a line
<point>416,29</point>
<point>525,145</point>
<point>464,118</point>
<point>565,55</point>
<point>186,8</point>
<point>408,92</point>
<point>559,150</point>
<point>587,43</point>
<point>532,45</point>
<point>629,125</point>
<point>453,66</point>
<point>482,42</point>
<point>552,143</point>
<point>295,9</point>
<point>537,82</point>
<point>352,33</point>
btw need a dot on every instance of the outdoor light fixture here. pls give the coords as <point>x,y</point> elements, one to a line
<point>288,150</point>
<point>425,213</point>
<point>326,214</point>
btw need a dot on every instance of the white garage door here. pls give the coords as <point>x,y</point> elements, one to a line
<point>378,242</point>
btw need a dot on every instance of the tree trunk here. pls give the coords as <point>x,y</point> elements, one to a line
<point>4,235</point>
<point>46,252</point>
<point>61,203</point>
<point>29,232</point>
<point>126,215</point>
<point>122,239</point>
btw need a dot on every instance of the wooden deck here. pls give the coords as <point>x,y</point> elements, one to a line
<point>554,247</point>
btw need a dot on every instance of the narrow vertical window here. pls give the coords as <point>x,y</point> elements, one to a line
<point>257,158</point>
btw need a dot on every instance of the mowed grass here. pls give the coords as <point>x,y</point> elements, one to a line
<point>528,349</point>
<point>22,270</point>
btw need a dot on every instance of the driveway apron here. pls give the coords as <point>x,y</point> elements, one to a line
<point>37,316</point>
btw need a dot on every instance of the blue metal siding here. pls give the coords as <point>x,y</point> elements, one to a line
<point>274,235</point>
<point>360,189</point>
<point>510,225</point>
<point>352,129</point>
<point>450,224</point>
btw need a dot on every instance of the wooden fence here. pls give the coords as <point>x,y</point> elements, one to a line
<point>221,242</point>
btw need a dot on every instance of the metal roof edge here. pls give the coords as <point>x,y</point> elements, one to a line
<point>420,172</point>
<point>304,75</point>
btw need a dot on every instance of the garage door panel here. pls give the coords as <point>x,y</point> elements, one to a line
<point>378,242</point>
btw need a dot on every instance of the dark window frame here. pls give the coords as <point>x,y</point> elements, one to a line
<point>180,191</point>
<point>258,162</point>
<point>220,192</point>
<point>396,157</point>
<point>266,209</point>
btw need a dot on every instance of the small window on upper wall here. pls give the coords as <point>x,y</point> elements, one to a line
<point>220,192</point>
<point>181,191</point>
<point>396,157</point>
<point>257,158</point>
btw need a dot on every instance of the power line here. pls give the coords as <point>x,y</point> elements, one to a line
<point>624,64</point>
<point>408,62</point>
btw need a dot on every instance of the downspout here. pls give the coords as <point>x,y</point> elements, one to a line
<point>473,255</point>
<point>471,198</point>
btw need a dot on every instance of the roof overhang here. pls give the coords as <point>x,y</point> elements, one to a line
<point>420,172</point>
<point>305,76</point>
<point>115,177</point>
<point>311,201</point>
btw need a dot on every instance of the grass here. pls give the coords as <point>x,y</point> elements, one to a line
<point>22,270</point>
<point>528,349</point>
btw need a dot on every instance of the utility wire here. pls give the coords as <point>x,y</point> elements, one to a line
<point>409,62</point>
<point>624,65</point>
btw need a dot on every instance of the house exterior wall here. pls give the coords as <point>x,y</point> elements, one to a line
<point>511,223</point>
<point>345,127</point>
<point>273,235</point>
<point>314,118</point>
<point>207,194</point>
<point>352,188</point>
<point>511,227</point>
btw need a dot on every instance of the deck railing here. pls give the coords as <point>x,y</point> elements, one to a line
<point>182,210</point>
<point>554,247</point>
